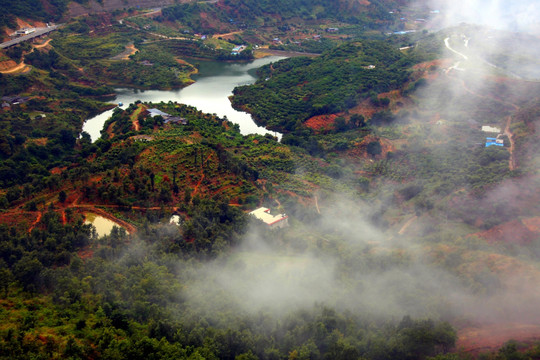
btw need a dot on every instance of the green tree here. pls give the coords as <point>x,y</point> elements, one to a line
<point>62,196</point>
<point>374,148</point>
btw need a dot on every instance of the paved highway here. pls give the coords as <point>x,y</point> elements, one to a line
<point>38,32</point>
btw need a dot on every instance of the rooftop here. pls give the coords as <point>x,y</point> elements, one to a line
<point>487,128</point>
<point>156,112</point>
<point>264,215</point>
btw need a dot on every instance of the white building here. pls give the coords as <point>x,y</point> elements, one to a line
<point>273,222</point>
<point>156,112</point>
<point>490,129</point>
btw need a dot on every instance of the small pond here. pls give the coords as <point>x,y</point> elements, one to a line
<point>103,225</point>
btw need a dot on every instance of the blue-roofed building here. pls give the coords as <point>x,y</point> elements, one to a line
<point>238,49</point>
<point>494,142</point>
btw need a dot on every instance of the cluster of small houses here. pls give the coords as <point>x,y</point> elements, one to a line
<point>8,101</point>
<point>167,119</point>
<point>493,141</point>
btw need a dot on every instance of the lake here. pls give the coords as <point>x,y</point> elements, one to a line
<point>210,94</point>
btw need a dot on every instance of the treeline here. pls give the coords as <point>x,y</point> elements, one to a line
<point>310,10</point>
<point>199,49</point>
<point>308,46</point>
<point>231,14</point>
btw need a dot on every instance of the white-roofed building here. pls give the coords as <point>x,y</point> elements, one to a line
<point>273,222</point>
<point>492,129</point>
<point>156,112</point>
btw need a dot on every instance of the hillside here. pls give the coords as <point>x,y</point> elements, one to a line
<point>294,90</point>
<point>141,182</point>
<point>78,8</point>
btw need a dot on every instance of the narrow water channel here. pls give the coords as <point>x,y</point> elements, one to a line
<point>210,94</point>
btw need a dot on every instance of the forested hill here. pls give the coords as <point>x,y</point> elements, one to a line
<point>293,90</point>
<point>309,9</point>
<point>54,10</point>
<point>30,9</point>
<point>209,17</point>
<point>204,16</point>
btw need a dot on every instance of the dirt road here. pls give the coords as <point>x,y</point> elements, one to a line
<point>21,67</point>
<point>43,45</point>
<point>447,44</point>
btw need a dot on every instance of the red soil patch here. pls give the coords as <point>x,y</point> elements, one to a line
<point>533,224</point>
<point>96,178</point>
<point>58,170</point>
<point>39,141</point>
<point>365,108</point>
<point>321,122</point>
<point>422,70</point>
<point>360,149</point>
<point>23,24</point>
<point>7,65</point>
<point>86,254</point>
<point>512,232</point>
<point>426,65</point>
<point>15,217</point>
<point>42,44</point>
<point>491,337</point>
<point>110,130</point>
<point>227,36</point>
<point>38,219</point>
<point>71,198</point>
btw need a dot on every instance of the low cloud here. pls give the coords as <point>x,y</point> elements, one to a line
<point>518,16</point>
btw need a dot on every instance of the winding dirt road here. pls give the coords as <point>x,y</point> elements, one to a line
<point>21,67</point>
<point>447,44</point>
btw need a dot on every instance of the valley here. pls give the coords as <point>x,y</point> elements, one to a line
<point>404,157</point>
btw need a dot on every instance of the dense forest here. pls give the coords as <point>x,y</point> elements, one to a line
<point>131,302</point>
